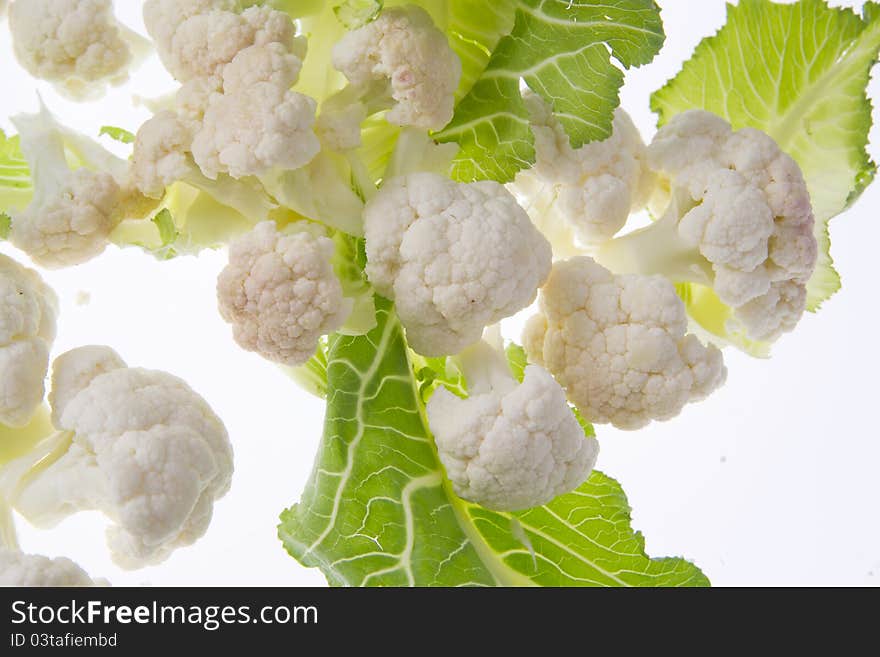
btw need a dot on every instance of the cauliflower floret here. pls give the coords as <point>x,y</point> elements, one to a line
<point>619,345</point>
<point>509,446</point>
<point>77,44</point>
<point>455,257</point>
<point>737,218</point>
<point>160,153</point>
<point>28,310</point>
<point>19,569</point>
<point>271,62</point>
<point>73,225</point>
<point>163,17</point>
<point>404,51</point>
<point>146,450</point>
<point>208,39</point>
<point>280,292</point>
<point>255,129</point>
<point>594,188</point>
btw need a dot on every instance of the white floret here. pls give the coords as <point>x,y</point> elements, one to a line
<point>28,312</point>
<point>751,217</point>
<point>255,129</point>
<point>454,257</point>
<point>77,44</point>
<point>619,345</point>
<point>594,188</point>
<point>160,152</point>
<point>146,450</point>
<point>19,569</point>
<point>513,446</point>
<point>73,225</point>
<point>405,51</point>
<point>206,39</point>
<point>280,292</point>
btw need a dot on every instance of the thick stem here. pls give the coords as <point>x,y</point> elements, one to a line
<point>656,249</point>
<point>485,369</point>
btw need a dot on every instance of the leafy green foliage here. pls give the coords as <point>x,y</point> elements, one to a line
<point>378,510</point>
<point>5,225</point>
<point>357,13</point>
<point>119,134</point>
<point>798,72</point>
<point>560,49</point>
<point>16,187</point>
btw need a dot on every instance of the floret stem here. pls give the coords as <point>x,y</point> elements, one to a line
<point>485,368</point>
<point>656,249</point>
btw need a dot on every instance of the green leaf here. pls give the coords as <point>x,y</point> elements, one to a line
<point>357,13</point>
<point>5,225</point>
<point>517,360</point>
<point>798,72</point>
<point>16,187</point>
<point>119,134</point>
<point>377,509</point>
<point>561,49</point>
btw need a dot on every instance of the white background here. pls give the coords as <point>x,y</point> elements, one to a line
<point>773,480</point>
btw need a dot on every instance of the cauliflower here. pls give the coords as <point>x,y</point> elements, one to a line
<point>591,191</point>
<point>18,569</point>
<point>738,219</point>
<point>401,58</point>
<point>28,309</point>
<point>280,292</point>
<point>137,444</point>
<point>455,257</point>
<point>618,345</point>
<point>250,131</point>
<point>160,153</point>
<point>76,44</point>
<point>72,212</point>
<point>509,446</point>
<point>197,39</point>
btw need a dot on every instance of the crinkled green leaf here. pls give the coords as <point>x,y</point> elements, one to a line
<point>377,509</point>
<point>799,72</point>
<point>562,50</point>
<point>119,134</point>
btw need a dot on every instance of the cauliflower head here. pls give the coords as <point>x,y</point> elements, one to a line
<point>454,257</point>
<point>281,293</point>
<point>513,447</point>
<point>747,210</point>
<point>404,52</point>
<point>28,312</point>
<point>593,188</point>
<point>199,39</point>
<point>19,569</point>
<point>619,345</point>
<point>77,44</point>
<point>144,449</point>
<point>73,224</point>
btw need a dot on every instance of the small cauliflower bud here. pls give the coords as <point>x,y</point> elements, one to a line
<point>28,311</point>
<point>271,62</point>
<point>737,221</point>
<point>138,445</point>
<point>160,155</point>
<point>592,189</point>
<point>76,44</point>
<point>401,60</point>
<point>281,293</point>
<point>255,129</point>
<point>454,257</point>
<point>19,569</point>
<point>509,446</point>
<point>619,346</point>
